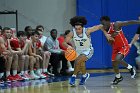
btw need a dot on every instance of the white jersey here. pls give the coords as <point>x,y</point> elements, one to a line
<point>82,43</point>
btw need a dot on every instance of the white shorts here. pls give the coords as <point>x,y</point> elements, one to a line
<point>88,53</point>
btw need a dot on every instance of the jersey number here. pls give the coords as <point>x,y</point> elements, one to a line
<point>81,44</point>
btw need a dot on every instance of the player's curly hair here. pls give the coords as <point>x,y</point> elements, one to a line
<point>78,20</point>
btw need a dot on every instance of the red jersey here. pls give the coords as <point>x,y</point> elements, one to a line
<point>21,44</point>
<point>61,39</point>
<point>120,39</point>
<point>38,44</point>
<point>14,43</point>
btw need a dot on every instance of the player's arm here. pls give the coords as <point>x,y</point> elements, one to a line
<point>3,49</point>
<point>135,38</point>
<point>30,50</point>
<point>119,24</point>
<point>108,36</point>
<point>67,40</point>
<point>93,29</point>
<point>11,50</point>
<point>26,46</point>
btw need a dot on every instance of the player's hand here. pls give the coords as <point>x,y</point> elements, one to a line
<point>62,52</point>
<point>39,57</point>
<point>109,37</point>
<point>69,47</point>
<point>130,45</point>
<point>49,53</point>
<point>20,53</point>
<point>7,52</point>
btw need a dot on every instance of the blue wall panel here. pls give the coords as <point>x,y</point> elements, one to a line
<point>118,10</point>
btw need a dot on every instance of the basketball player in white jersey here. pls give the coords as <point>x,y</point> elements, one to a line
<point>81,38</point>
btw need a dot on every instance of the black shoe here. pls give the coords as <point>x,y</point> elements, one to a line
<point>2,80</point>
<point>117,80</point>
<point>132,72</point>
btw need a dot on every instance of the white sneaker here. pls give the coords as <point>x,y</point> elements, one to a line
<point>70,69</point>
<point>24,77</point>
<point>50,74</point>
<point>34,76</point>
<point>41,75</point>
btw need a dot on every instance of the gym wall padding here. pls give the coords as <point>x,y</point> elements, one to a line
<point>118,10</point>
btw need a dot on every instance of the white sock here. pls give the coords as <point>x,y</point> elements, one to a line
<point>38,71</point>
<point>32,72</point>
<point>118,75</point>
<point>84,75</point>
<point>26,72</point>
<point>73,75</point>
<point>14,72</point>
<point>129,66</point>
<point>7,73</point>
<point>44,70</point>
<point>22,72</point>
<point>41,70</point>
<point>1,74</point>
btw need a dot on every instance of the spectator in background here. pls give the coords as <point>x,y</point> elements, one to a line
<point>42,38</point>
<point>36,59</point>
<point>28,30</point>
<point>0,29</point>
<point>57,54</point>
<point>61,39</point>
<point>44,53</point>
<point>137,45</point>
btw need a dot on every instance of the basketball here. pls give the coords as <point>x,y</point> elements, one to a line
<point>70,54</point>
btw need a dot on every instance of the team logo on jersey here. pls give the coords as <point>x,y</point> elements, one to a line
<point>83,40</point>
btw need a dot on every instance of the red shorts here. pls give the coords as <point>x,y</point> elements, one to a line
<point>120,50</point>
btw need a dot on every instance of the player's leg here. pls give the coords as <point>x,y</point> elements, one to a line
<point>138,62</point>
<point>55,61</point>
<point>38,71</point>
<point>63,71</point>
<point>80,67</point>
<point>2,69</point>
<point>70,68</point>
<point>124,51</point>
<point>32,61</point>
<point>76,70</point>
<point>85,56</point>
<point>15,66</point>
<point>115,63</point>
<point>46,59</point>
<point>8,65</point>
<point>26,67</point>
<point>85,75</point>
<point>21,63</point>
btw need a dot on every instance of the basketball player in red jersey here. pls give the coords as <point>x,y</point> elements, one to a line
<point>24,58</point>
<point>119,44</point>
<point>6,35</point>
<point>4,54</point>
<point>36,58</point>
<point>41,51</point>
